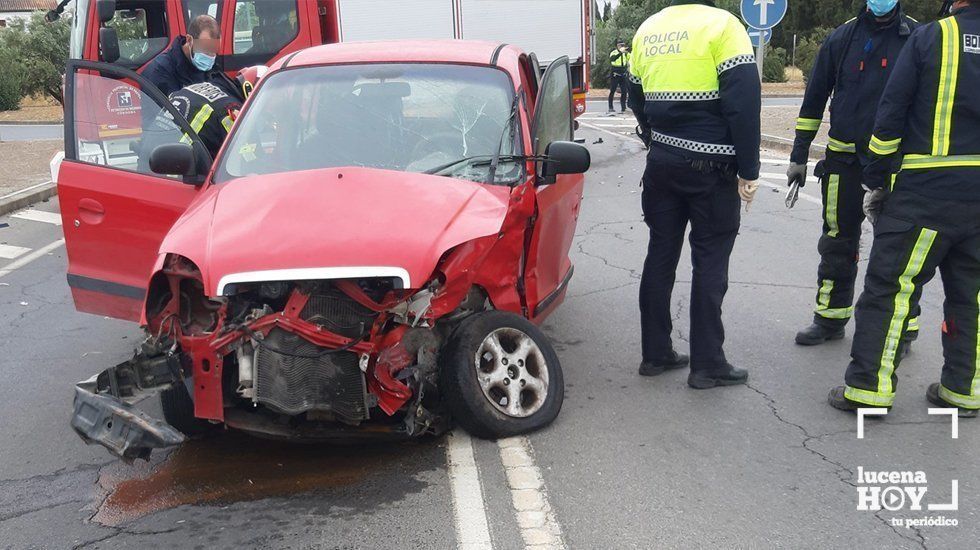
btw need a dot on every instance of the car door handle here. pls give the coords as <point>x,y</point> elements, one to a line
<point>90,211</point>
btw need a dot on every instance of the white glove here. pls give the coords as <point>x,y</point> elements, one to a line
<point>874,203</point>
<point>747,190</point>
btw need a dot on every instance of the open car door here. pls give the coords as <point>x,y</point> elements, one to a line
<point>115,211</point>
<point>549,268</point>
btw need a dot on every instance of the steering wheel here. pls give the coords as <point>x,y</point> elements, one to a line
<point>443,142</point>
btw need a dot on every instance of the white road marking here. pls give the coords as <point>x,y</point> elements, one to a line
<point>535,517</point>
<point>25,260</point>
<point>472,527</point>
<point>53,218</point>
<point>10,252</point>
<point>782,187</point>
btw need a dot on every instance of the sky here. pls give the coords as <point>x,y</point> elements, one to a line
<point>602,3</point>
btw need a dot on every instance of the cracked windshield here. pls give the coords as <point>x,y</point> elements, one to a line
<point>393,117</point>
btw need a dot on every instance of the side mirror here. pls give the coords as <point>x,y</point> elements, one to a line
<point>108,45</point>
<point>175,159</point>
<point>564,157</point>
<point>106,10</point>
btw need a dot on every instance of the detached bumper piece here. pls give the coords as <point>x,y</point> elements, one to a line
<point>105,413</point>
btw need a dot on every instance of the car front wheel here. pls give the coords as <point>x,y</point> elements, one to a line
<point>501,376</point>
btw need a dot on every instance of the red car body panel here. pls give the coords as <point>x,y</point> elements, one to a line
<point>302,220</point>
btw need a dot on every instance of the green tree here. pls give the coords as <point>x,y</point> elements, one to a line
<point>10,84</point>
<point>774,65</point>
<point>40,49</point>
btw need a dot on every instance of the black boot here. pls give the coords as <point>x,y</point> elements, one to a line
<point>932,394</point>
<point>673,362</point>
<point>838,401</point>
<point>817,334</point>
<point>730,376</point>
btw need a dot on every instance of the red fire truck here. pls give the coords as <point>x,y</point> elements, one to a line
<point>259,32</point>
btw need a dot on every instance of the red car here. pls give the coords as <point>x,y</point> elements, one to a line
<point>368,256</point>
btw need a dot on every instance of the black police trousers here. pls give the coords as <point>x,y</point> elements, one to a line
<point>914,236</point>
<point>840,243</point>
<point>621,81</point>
<point>676,194</point>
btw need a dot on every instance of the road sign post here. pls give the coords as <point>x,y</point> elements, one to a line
<point>763,15</point>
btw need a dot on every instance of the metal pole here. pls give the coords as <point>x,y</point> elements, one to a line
<point>761,53</point>
<point>794,50</point>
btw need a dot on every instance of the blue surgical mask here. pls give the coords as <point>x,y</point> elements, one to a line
<point>882,8</point>
<point>203,61</point>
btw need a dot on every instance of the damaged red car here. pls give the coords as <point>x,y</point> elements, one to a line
<point>369,256</point>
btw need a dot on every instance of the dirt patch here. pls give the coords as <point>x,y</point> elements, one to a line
<point>234,467</point>
<point>41,109</point>
<point>26,163</point>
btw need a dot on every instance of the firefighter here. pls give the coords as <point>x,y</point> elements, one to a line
<point>619,76</point>
<point>930,216</point>
<point>189,59</point>
<point>853,65</point>
<point>695,91</point>
<point>212,106</point>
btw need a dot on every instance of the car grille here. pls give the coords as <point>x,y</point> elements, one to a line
<point>338,313</point>
<point>289,380</point>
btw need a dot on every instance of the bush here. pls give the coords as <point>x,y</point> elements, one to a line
<point>806,50</point>
<point>40,50</point>
<point>10,83</point>
<point>774,65</point>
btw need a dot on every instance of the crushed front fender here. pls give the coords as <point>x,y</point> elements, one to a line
<point>104,411</point>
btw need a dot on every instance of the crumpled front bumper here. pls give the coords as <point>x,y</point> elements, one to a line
<point>105,412</point>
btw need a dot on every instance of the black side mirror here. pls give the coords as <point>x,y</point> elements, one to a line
<point>564,157</point>
<point>106,10</point>
<point>108,45</point>
<point>175,159</point>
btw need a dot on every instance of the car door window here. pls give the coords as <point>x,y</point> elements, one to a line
<point>553,111</point>
<point>193,8</point>
<point>142,30</point>
<point>116,119</point>
<point>263,27</point>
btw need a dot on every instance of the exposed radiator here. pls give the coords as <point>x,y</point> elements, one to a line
<point>292,385</point>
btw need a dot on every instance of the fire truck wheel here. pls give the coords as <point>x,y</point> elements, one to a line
<point>178,411</point>
<point>501,376</point>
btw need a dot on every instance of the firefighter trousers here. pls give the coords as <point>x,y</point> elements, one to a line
<point>840,177</point>
<point>675,194</point>
<point>915,236</point>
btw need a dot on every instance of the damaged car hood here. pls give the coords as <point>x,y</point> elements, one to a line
<point>320,221</point>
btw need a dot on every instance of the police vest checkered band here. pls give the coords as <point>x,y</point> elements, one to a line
<point>682,96</point>
<point>697,147</point>
<point>635,79</point>
<point>735,62</point>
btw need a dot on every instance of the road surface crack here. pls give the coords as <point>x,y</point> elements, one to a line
<point>844,473</point>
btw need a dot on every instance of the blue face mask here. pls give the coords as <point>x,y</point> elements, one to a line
<point>203,61</point>
<point>882,8</point>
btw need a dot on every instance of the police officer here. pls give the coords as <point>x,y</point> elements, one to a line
<point>696,94</point>
<point>189,58</point>
<point>928,117</point>
<point>619,77</point>
<point>853,65</point>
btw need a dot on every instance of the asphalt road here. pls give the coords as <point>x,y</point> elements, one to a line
<point>630,463</point>
<point>31,132</point>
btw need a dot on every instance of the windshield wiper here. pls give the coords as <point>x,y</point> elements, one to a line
<point>477,160</point>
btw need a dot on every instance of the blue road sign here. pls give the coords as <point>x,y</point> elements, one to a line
<point>764,14</point>
<point>754,34</point>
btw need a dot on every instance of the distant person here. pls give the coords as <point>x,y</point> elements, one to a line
<point>189,58</point>
<point>696,94</point>
<point>853,66</point>
<point>619,77</point>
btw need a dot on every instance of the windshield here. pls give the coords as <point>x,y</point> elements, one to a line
<point>444,119</point>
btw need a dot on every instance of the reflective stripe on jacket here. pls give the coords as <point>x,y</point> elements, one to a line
<point>696,84</point>
<point>929,114</point>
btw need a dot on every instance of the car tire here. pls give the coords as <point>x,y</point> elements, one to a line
<point>178,411</point>
<point>472,382</point>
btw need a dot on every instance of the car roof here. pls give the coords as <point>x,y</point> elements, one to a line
<point>469,52</point>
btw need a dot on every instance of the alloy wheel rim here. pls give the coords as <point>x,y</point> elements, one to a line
<point>512,372</point>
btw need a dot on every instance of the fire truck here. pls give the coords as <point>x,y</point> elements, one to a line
<point>131,33</point>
